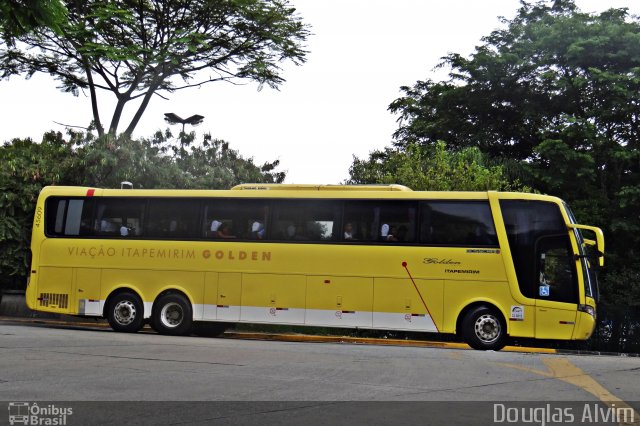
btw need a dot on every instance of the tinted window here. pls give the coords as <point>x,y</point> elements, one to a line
<point>121,217</point>
<point>379,221</point>
<point>556,279</point>
<point>228,218</point>
<point>457,223</point>
<point>305,220</point>
<point>529,226</point>
<point>173,218</point>
<point>68,216</point>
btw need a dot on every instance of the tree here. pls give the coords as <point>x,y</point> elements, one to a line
<point>431,168</point>
<point>556,92</point>
<point>550,68</point>
<point>25,167</point>
<point>164,162</point>
<point>82,159</point>
<point>19,17</point>
<point>212,164</point>
<point>136,50</point>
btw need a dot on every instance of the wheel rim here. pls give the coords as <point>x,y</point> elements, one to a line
<point>488,328</point>
<point>171,315</point>
<point>124,312</point>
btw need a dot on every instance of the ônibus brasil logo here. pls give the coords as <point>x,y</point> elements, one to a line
<point>31,413</point>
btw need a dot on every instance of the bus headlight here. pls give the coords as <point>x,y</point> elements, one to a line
<point>587,309</point>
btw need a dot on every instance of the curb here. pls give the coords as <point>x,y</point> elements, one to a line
<point>596,353</point>
<point>307,338</point>
<point>81,322</point>
<point>299,338</point>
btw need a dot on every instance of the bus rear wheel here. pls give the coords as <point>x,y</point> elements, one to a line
<point>125,312</point>
<point>483,328</point>
<point>172,314</point>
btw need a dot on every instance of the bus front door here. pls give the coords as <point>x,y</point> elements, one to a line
<point>557,293</point>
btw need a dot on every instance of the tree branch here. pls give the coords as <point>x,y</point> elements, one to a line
<point>69,125</point>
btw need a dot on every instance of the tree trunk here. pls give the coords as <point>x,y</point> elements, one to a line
<point>94,102</point>
<point>141,108</point>
<point>117,114</point>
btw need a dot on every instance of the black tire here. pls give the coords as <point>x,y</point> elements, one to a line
<point>210,329</point>
<point>483,328</point>
<point>172,314</point>
<point>125,312</point>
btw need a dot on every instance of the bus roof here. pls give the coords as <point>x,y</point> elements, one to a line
<point>295,191</point>
<point>314,187</point>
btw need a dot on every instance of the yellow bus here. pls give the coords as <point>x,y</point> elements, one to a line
<point>485,265</point>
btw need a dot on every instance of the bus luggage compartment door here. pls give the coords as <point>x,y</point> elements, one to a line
<point>229,296</point>
<point>339,301</point>
<point>274,298</point>
<point>399,305</point>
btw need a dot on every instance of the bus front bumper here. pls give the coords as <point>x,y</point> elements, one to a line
<point>585,325</point>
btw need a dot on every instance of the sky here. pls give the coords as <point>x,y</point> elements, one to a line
<point>330,109</point>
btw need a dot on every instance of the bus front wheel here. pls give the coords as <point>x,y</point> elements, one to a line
<point>483,328</point>
<point>172,314</point>
<point>125,312</point>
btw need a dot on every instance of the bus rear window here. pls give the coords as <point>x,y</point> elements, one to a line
<point>67,216</point>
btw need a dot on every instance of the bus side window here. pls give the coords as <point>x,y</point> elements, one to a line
<point>360,221</point>
<point>172,218</point>
<point>304,220</point>
<point>381,220</point>
<point>457,223</point>
<point>245,219</point>
<point>119,217</point>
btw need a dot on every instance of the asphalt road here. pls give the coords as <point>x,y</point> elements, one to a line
<point>48,363</point>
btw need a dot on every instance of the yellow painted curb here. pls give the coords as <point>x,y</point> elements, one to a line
<point>55,322</point>
<point>371,341</point>
<point>300,337</point>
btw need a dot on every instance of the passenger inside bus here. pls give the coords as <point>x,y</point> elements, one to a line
<point>348,231</point>
<point>388,233</point>
<point>107,226</point>
<point>257,230</point>
<point>224,231</point>
<point>402,233</point>
<point>215,224</point>
<point>291,232</point>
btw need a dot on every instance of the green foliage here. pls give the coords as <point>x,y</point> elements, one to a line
<point>25,167</point>
<point>134,50</point>
<point>431,168</point>
<point>214,165</point>
<point>557,94</point>
<point>81,159</point>
<point>19,17</point>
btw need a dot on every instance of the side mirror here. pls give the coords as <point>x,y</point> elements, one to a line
<point>598,242</point>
